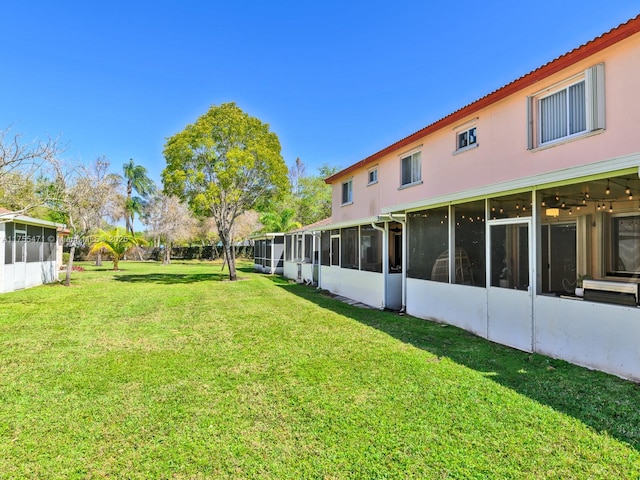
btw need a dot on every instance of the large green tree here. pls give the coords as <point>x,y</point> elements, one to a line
<point>314,196</point>
<point>137,180</point>
<point>224,164</point>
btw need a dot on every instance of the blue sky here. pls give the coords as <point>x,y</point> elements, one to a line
<point>337,81</point>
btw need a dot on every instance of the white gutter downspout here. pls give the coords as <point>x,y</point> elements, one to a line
<point>317,262</point>
<point>403,222</point>
<point>385,259</point>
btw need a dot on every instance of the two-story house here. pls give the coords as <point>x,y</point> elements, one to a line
<point>489,218</point>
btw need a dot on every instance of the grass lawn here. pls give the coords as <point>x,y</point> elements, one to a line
<point>171,372</point>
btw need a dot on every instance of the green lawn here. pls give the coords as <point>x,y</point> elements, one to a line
<point>172,372</point>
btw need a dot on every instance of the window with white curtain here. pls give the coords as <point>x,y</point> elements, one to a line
<point>569,109</point>
<point>411,169</point>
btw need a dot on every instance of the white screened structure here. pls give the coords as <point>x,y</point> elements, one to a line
<point>30,252</point>
<point>268,253</point>
<point>302,256</point>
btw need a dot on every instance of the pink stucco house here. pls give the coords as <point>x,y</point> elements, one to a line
<point>487,218</point>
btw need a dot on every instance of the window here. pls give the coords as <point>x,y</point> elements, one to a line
<point>370,249</point>
<point>8,243</point>
<point>349,248</point>
<point>410,166</point>
<point>373,176</point>
<point>325,248</point>
<point>298,248</point>
<point>469,253</point>
<point>347,192</point>
<point>335,247</point>
<point>563,113</point>
<point>267,256</point>
<point>288,248</point>
<point>308,249</point>
<point>568,110</point>
<point>510,256</point>
<point>428,244</point>
<point>50,245</point>
<point>467,139</point>
<point>625,239</point>
<point>20,242</point>
<point>34,243</point>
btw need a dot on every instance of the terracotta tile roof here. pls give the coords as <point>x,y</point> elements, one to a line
<point>613,36</point>
<point>311,226</point>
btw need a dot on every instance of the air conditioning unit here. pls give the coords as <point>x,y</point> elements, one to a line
<point>621,293</point>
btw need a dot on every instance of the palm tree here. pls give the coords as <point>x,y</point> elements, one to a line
<point>279,221</point>
<point>138,181</point>
<point>116,242</point>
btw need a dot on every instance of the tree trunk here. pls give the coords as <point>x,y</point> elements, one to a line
<point>98,259</point>
<point>128,224</point>
<point>228,254</point>
<point>166,259</point>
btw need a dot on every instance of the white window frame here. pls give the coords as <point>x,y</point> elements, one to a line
<point>467,132</point>
<point>372,172</point>
<point>594,108</point>
<point>415,157</point>
<point>567,111</point>
<point>349,185</point>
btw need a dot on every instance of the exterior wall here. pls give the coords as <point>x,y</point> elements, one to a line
<point>33,273</point>
<point>459,305</point>
<point>2,265</point>
<point>595,335</point>
<point>307,272</point>
<point>290,270</point>
<point>39,273</point>
<point>364,287</point>
<point>502,157</point>
<point>394,291</point>
<point>8,284</point>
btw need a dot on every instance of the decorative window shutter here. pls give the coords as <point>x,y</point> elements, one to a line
<point>530,132</point>
<point>594,83</point>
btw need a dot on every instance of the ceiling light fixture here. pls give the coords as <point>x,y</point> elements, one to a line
<point>553,212</point>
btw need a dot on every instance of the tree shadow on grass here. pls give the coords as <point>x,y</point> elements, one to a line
<point>604,402</point>
<point>171,278</point>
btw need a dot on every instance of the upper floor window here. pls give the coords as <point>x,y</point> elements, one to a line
<point>411,169</point>
<point>372,176</point>
<point>467,139</point>
<point>569,109</point>
<point>563,113</point>
<point>347,192</point>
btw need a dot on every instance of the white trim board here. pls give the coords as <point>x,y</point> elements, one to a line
<point>609,167</point>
